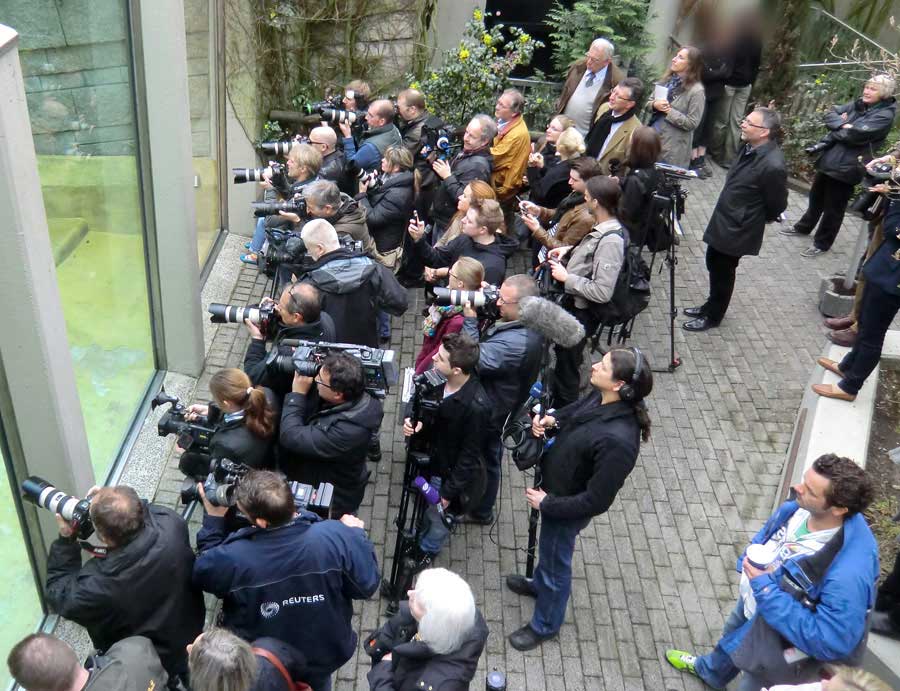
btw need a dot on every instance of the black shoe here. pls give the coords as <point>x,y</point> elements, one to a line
<point>521,585</point>
<point>694,311</point>
<point>373,453</point>
<point>477,520</point>
<point>882,624</point>
<point>527,638</point>
<point>699,324</point>
<point>793,231</point>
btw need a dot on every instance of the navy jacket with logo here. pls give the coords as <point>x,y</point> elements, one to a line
<point>295,583</point>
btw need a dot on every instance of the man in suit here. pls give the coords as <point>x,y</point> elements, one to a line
<point>609,138</point>
<point>755,193</point>
<point>588,84</point>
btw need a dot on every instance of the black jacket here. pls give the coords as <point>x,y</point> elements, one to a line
<point>141,589</point>
<point>755,193</point>
<point>333,169</point>
<point>353,288</point>
<point>637,195</point>
<point>746,56</point>
<point>328,444</point>
<point>549,185</point>
<point>389,208</point>
<point>493,257</point>
<point>268,678</point>
<point>870,127</point>
<point>256,355</point>
<point>465,167</point>
<point>411,133</point>
<point>590,457</point>
<point>717,69</point>
<point>413,666</point>
<point>234,440</point>
<point>457,443</point>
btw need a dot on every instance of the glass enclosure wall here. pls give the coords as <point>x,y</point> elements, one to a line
<point>200,25</point>
<point>77,65</point>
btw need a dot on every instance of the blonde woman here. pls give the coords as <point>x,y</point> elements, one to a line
<point>550,185</point>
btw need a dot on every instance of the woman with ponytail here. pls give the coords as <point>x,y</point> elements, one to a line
<point>594,446</point>
<point>243,423</point>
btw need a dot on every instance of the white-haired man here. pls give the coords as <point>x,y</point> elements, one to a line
<point>588,83</point>
<point>352,287</point>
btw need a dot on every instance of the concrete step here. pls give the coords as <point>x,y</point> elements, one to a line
<point>65,236</point>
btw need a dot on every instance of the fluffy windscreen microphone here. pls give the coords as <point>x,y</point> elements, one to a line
<point>551,321</point>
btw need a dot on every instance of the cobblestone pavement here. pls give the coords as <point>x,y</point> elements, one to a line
<point>658,569</point>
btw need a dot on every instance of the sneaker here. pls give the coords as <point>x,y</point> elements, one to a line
<point>791,231</point>
<point>246,245</point>
<point>812,251</point>
<point>249,258</point>
<point>682,661</point>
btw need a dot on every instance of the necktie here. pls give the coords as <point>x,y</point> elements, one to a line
<point>590,80</point>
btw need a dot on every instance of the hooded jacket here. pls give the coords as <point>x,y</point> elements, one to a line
<point>388,209</point>
<point>140,589</point>
<point>129,665</point>
<point>328,444</point>
<point>353,288</point>
<point>464,167</point>
<point>350,219</point>
<point>493,257</point>
<point>414,666</point>
<point>296,583</point>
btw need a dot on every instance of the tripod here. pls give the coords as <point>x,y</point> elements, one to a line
<point>412,503</point>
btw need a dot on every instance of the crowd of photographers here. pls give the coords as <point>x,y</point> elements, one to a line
<point>379,198</point>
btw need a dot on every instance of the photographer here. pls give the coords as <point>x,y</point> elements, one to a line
<point>300,317</point>
<point>508,363</point>
<point>352,287</point>
<point>324,200</point>
<point>481,239</point>
<point>595,444</point>
<point>143,585</point>
<point>289,576</point>
<point>380,134</point>
<point>41,662</point>
<point>333,164</point>
<point>457,451</point>
<point>325,433</point>
<point>244,423</point>
<point>589,278</point>
<point>856,132</point>
<point>641,182</point>
<point>412,115</point>
<point>303,165</point>
<point>434,642</point>
<point>389,204</point>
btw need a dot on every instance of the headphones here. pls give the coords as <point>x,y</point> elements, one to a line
<point>627,391</point>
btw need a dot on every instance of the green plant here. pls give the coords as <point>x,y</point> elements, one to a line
<point>473,74</point>
<point>540,101</point>
<point>623,22</point>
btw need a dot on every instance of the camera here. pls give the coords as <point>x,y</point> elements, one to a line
<point>275,171</point>
<point>282,247</point>
<point>280,148</point>
<point>190,435</point>
<point>379,366</point>
<point>479,298</point>
<point>297,205</point>
<point>339,115</point>
<point>437,137</point>
<point>549,287</point>
<point>333,103</point>
<point>870,205</point>
<point>372,179</point>
<point>264,317</point>
<point>74,510</point>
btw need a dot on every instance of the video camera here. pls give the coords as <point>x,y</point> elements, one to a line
<point>264,317</point>
<point>276,172</point>
<point>74,510</point>
<point>190,435</point>
<point>437,138</point>
<point>484,301</point>
<point>870,205</point>
<point>379,366</point>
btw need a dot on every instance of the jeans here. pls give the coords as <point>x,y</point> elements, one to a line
<point>493,456</point>
<point>553,575</point>
<point>828,199</point>
<point>722,271</point>
<point>259,235</point>
<point>434,532</point>
<point>876,312</point>
<point>384,325</point>
<point>716,668</point>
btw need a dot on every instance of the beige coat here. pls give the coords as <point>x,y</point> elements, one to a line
<point>620,144</point>
<point>677,131</point>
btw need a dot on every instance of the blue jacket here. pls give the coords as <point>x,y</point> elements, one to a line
<point>835,630</point>
<point>883,267</point>
<point>295,583</point>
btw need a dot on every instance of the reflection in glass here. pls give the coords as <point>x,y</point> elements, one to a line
<point>76,61</point>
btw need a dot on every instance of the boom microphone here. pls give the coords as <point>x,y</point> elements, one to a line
<point>551,321</point>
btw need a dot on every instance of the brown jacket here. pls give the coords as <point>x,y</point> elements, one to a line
<point>613,76</point>
<point>574,225</point>
<point>510,152</point>
<point>620,144</point>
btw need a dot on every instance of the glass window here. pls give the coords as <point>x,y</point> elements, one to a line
<point>20,607</point>
<point>76,61</point>
<point>201,54</point>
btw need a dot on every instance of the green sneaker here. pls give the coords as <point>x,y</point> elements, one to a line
<point>682,661</point>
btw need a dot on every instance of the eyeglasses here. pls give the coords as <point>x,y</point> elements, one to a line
<point>506,302</point>
<point>745,121</point>
<point>327,386</point>
<point>317,143</point>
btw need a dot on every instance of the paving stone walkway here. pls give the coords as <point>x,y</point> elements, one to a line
<point>658,569</point>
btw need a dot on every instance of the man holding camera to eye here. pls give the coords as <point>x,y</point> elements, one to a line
<point>326,430</point>
<point>300,317</point>
<point>289,575</point>
<point>140,587</point>
<point>379,135</point>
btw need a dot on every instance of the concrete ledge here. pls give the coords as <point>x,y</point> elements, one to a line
<point>825,425</point>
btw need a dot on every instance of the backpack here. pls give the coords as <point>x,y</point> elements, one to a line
<point>631,294</point>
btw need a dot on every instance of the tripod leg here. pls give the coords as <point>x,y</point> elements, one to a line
<point>533,519</point>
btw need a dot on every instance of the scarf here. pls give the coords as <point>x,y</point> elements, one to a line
<point>600,130</point>
<point>436,314</point>
<point>675,86</point>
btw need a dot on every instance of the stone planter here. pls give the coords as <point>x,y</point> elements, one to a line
<point>834,299</point>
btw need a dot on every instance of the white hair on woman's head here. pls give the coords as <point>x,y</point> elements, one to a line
<point>449,610</point>
<point>884,83</point>
<point>604,45</point>
<point>320,232</point>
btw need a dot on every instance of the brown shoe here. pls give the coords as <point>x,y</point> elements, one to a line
<point>839,323</point>
<point>832,391</point>
<point>845,337</point>
<point>830,365</point>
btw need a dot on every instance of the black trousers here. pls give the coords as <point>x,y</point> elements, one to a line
<point>876,312</point>
<point>722,269</point>
<point>888,599</point>
<point>828,199</point>
<point>567,375</point>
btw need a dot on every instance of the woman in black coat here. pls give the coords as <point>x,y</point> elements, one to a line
<point>433,642</point>
<point>389,204</point>
<point>243,425</point>
<point>641,182</point>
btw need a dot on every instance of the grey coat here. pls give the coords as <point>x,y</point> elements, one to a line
<point>595,264</point>
<point>677,130</point>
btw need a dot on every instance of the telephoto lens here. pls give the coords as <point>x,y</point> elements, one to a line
<point>277,148</point>
<point>242,175</point>
<point>232,314</point>
<point>74,510</point>
<point>334,115</point>
<point>446,296</point>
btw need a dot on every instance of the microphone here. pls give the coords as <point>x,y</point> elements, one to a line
<point>431,495</point>
<point>550,321</point>
<point>534,396</point>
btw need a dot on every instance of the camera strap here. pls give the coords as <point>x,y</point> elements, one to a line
<point>93,550</point>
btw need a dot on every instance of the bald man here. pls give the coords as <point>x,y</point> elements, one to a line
<point>325,140</point>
